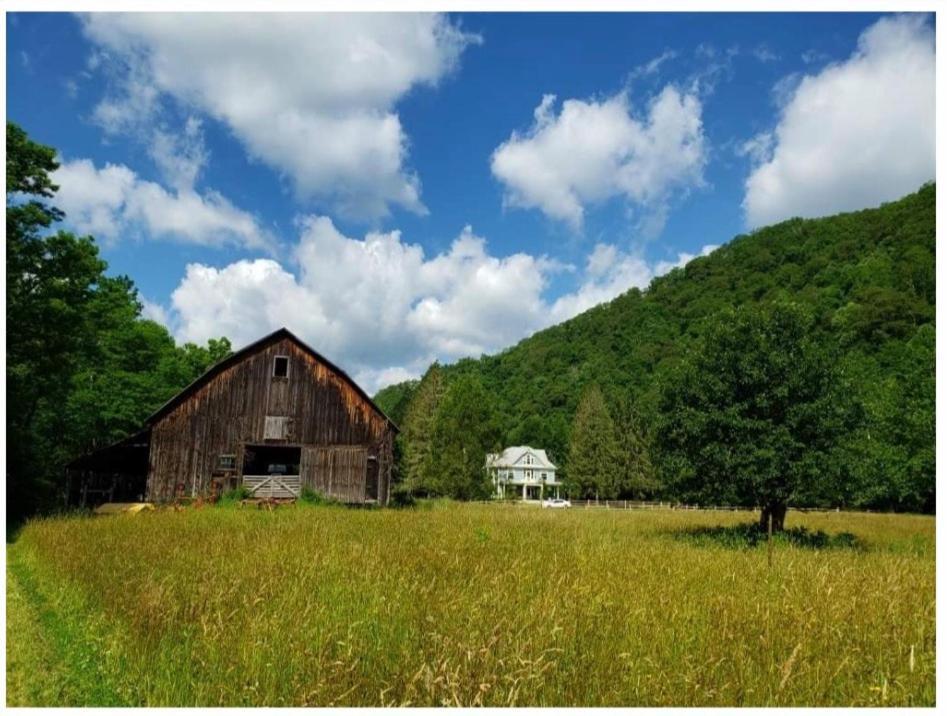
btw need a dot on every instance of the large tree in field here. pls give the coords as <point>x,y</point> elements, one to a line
<point>753,412</point>
<point>466,428</point>
<point>593,463</point>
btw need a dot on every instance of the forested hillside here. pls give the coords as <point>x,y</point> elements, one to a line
<point>83,367</point>
<point>865,282</point>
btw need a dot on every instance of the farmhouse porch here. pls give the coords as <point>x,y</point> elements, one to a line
<point>527,491</point>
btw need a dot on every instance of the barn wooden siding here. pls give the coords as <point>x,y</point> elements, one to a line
<point>338,471</point>
<point>338,429</point>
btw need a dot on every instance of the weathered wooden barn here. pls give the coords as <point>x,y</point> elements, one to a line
<point>275,417</point>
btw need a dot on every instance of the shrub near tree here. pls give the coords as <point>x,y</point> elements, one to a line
<point>752,414</point>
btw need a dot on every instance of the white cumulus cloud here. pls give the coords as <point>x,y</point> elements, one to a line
<point>593,150</point>
<point>683,258</point>
<point>383,309</point>
<point>113,202</point>
<point>312,94</point>
<point>858,133</point>
<point>377,303</point>
<point>609,272</point>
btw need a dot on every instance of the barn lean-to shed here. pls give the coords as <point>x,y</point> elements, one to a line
<point>276,416</point>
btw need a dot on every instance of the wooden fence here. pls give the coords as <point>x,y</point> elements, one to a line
<point>641,505</point>
<point>644,505</point>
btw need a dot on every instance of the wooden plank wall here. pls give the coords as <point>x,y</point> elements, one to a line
<point>337,471</point>
<point>230,411</point>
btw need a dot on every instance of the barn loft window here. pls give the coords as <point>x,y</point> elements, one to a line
<point>281,367</point>
<point>277,427</point>
<point>227,462</point>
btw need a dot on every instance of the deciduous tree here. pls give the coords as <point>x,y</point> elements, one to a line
<point>753,412</point>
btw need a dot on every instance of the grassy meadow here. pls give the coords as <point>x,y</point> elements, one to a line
<point>464,604</point>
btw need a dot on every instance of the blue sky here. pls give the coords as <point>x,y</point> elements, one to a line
<point>397,189</point>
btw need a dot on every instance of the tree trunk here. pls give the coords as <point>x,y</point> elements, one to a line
<point>779,517</point>
<point>775,512</point>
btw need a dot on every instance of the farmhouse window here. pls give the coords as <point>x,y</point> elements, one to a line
<point>543,476</point>
<point>227,462</point>
<point>281,367</point>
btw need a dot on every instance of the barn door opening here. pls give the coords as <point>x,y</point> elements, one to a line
<point>371,479</point>
<point>272,470</point>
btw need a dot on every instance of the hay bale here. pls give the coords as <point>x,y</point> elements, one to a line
<point>118,508</point>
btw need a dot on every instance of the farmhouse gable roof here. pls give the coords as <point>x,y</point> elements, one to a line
<point>515,457</point>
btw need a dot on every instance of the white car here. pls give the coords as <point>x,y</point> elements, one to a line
<point>556,503</point>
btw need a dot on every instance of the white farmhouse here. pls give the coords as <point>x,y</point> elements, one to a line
<point>523,469</point>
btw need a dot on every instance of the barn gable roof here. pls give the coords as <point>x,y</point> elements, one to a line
<point>238,356</point>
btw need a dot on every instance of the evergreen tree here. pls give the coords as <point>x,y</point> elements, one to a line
<point>466,428</point>
<point>593,464</point>
<point>637,475</point>
<point>395,399</point>
<point>417,431</point>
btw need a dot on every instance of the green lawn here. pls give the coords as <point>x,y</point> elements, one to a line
<point>468,604</point>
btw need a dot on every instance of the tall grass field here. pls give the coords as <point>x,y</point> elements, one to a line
<point>467,604</point>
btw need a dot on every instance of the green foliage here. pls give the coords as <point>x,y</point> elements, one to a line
<point>593,466</point>
<point>401,497</point>
<point>636,472</point>
<point>867,280</point>
<point>83,367</point>
<point>395,399</point>
<point>232,497</point>
<point>466,428</point>
<point>415,442</point>
<point>308,496</point>
<point>752,413</point>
